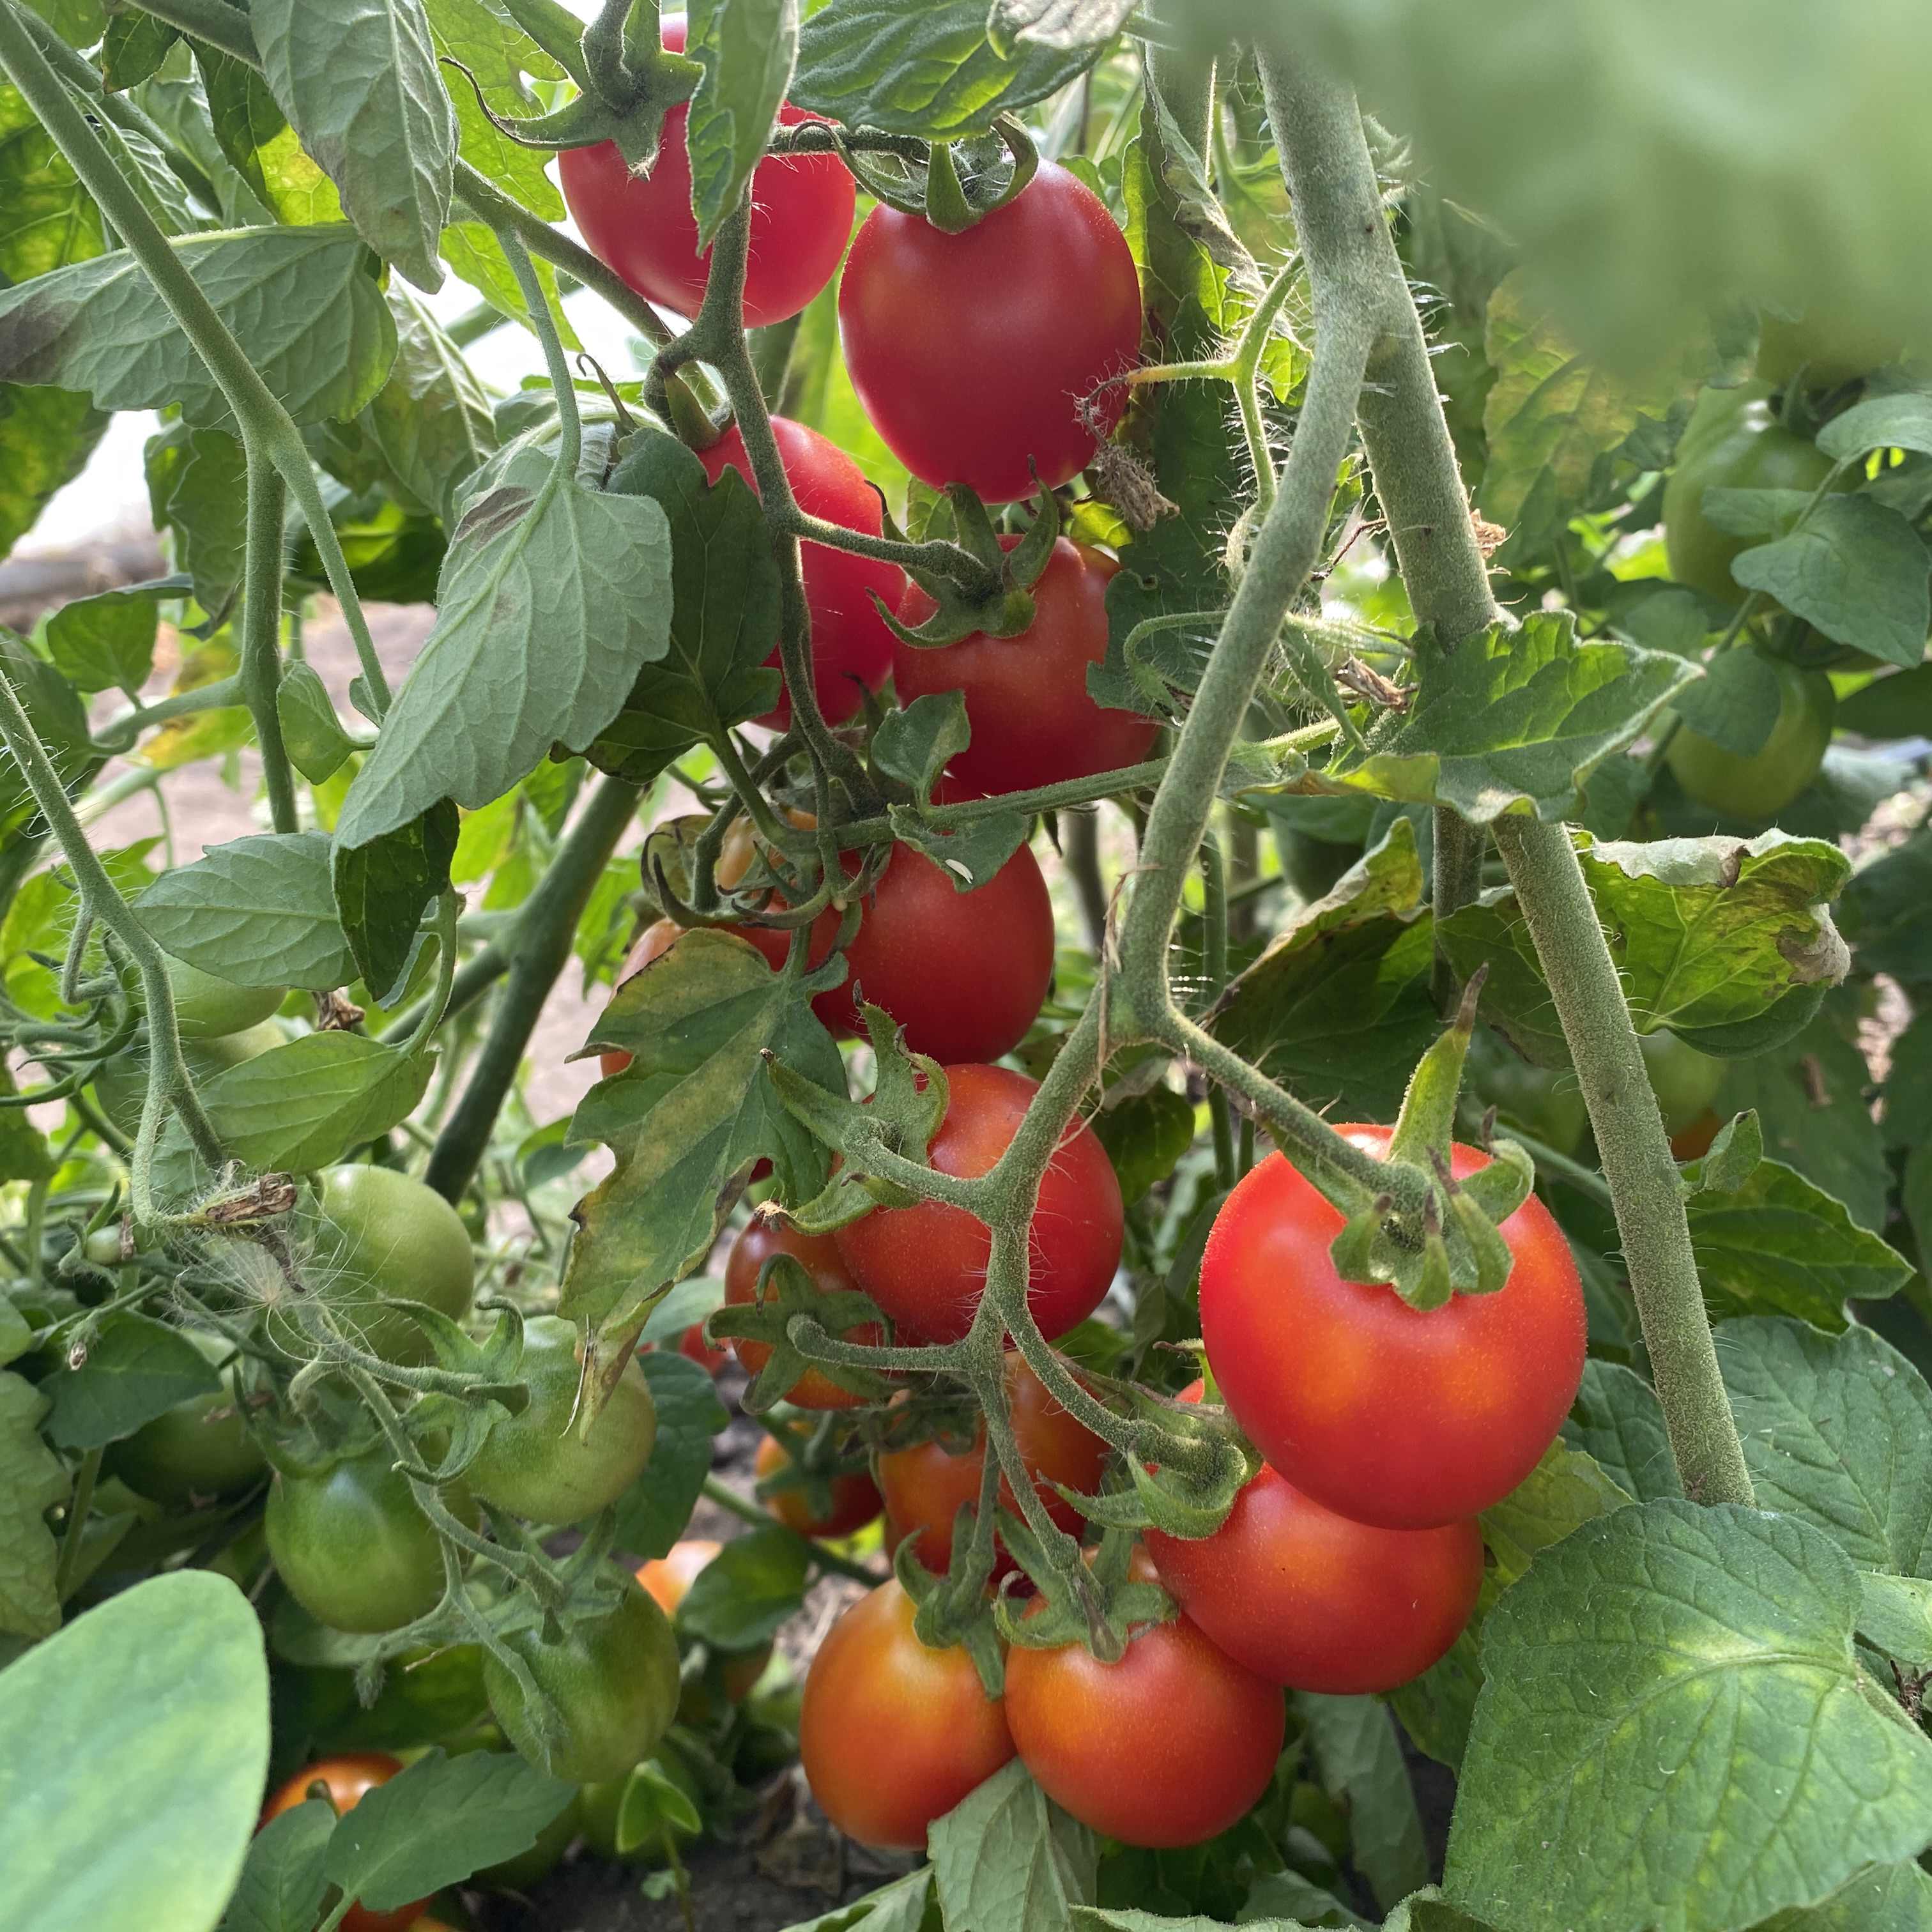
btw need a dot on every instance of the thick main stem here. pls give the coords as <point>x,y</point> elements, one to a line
<point>1326,158</point>
<point>262,637</point>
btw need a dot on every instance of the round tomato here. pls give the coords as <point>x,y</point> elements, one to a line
<point>206,1008</point>
<point>642,226</point>
<point>1315,1601</point>
<point>855,1498</point>
<point>891,1735</point>
<point>201,1447</point>
<point>1684,1080</point>
<point>1171,1744</point>
<point>667,1581</point>
<point>343,1781</point>
<point>1756,785</point>
<point>851,648</point>
<point>1389,1415</point>
<point>351,1547</point>
<point>537,1465</point>
<point>925,1266</point>
<point>1032,722</point>
<point>693,1348</point>
<point>383,1235</point>
<point>613,1677</point>
<point>121,1085</point>
<point>818,1255</point>
<point>925,1487</point>
<point>1733,441</point>
<point>972,353</point>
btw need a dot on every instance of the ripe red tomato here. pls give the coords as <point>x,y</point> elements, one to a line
<point>851,648</point>
<point>972,353</point>
<point>1389,1415</point>
<point>855,1498</point>
<point>818,1254</point>
<point>1172,1744</point>
<point>642,226</point>
<point>346,1779</point>
<point>693,1347</point>
<point>1032,722</point>
<point>892,1735</point>
<point>925,1266</point>
<point>926,1486</point>
<point>963,973</point>
<point>1311,1599</point>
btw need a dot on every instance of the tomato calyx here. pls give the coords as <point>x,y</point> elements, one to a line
<point>819,1453</point>
<point>957,184</point>
<point>1112,1597</point>
<point>1004,610</point>
<point>785,1291</point>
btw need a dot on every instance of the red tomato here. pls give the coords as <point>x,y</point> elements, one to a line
<point>892,1735</point>
<point>1389,1415</point>
<point>819,1254</point>
<point>346,1778</point>
<point>851,648</point>
<point>1170,1745</point>
<point>855,1498</point>
<point>925,1266</point>
<point>1311,1599</point>
<point>693,1348</point>
<point>972,353</point>
<point>642,226</point>
<point>925,1487</point>
<point>1032,722</point>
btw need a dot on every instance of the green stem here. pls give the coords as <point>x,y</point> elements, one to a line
<point>1325,156</point>
<point>1214,958</point>
<point>261,675</point>
<point>1080,845</point>
<point>78,1505</point>
<point>541,948</point>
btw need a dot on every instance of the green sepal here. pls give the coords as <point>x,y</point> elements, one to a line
<point>1734,1156</point>
<point>1008,609</point>
<point>1098,1605</point>
<point>1427,1124</point>
<point>955,1610</point>
<point>1166,1499</point>
<point>960,184</point>
<point>785,1288</point>
<point>447,1429</point>
<point>815,1458</point>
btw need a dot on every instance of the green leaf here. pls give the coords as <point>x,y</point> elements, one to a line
<point>1562,431</point>
<point>1112,1919</point>
<point>1895,1615</point>
<point>24,1156</point>
<point>46,437</point>
<point>901,1906</point>
<point>79,22</point>
<point>928,70</point>
<point>1887,910</point>
<point>695,1109</point>
<point>1512,719</point>
<point>438,1821</point>
<point>1899,421</point>
<point>1837,1431</point>
<point>382,888</point>
<point>47,219</point>
<point>1891,1898</point>
<point>724,612</point>
<point>60,723</point>
<point>1706,933</point>
<point>32,1480</point>
<point>1695,1753</point>
<point>652,1513</point>
<point>1059,23</point>
<point>106,642</point>
<point>137,1748</point>
<point>359,81</point>
<point>432,420</point>
<point>254,134</point>
<point>198,492</point>
<point>1736,703</point>
<point>134,49</point>
<point>746,49</point>
<point>738,1601</point>
<point>1338,1006</point>
<point>136,1369</point>
<point>282,1883</point>
<point>1361,1766</point>
<point>1857,571</point>
<point>1007,1859</point>
<point>1619,1422</point>
<point>915,743</point>
<point>553,599</point>
<point>300,301</point>
<point>312,734</point>
<point>1896,706</point>
<point>1145,1135</point>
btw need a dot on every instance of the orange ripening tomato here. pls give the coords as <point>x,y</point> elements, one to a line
<point>346,1778</point>
<point>855,1498</point>
<point>667,1581</point>
<point>818,1255</point>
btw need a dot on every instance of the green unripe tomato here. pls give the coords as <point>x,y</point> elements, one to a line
<point>351,1547</point>
<point>1756,784</point>
<point>1684,1080</point>
<point>206,1008</point>
<point>121,1085</point>
<point>1733,441</point>
<point>193,1449</point>
<point>536,1465</point>
<point>383,1235</point>
<point>1312,865</point>
<point>1825,351</point>
<point>613,1677</point>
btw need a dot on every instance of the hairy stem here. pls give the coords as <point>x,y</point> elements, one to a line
<point>262,636</point>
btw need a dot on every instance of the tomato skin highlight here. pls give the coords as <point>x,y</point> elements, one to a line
<point>1385,1414</point>
<point>1033,721</point>
<point>891,1735</point>
<point>818,1255</point>
<point>1315,1601</point>
<point>971,353</point>
<point>349,1777</point>
<point>926,1486</point>
<point>851,647</point>
<point>1172,1744</point>
<point>855,1498</point>
<point>642,226</point>
<point>925,1266</point>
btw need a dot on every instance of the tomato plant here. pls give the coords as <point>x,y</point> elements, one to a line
<point>343,1781</point>
<point>893,1734</point>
